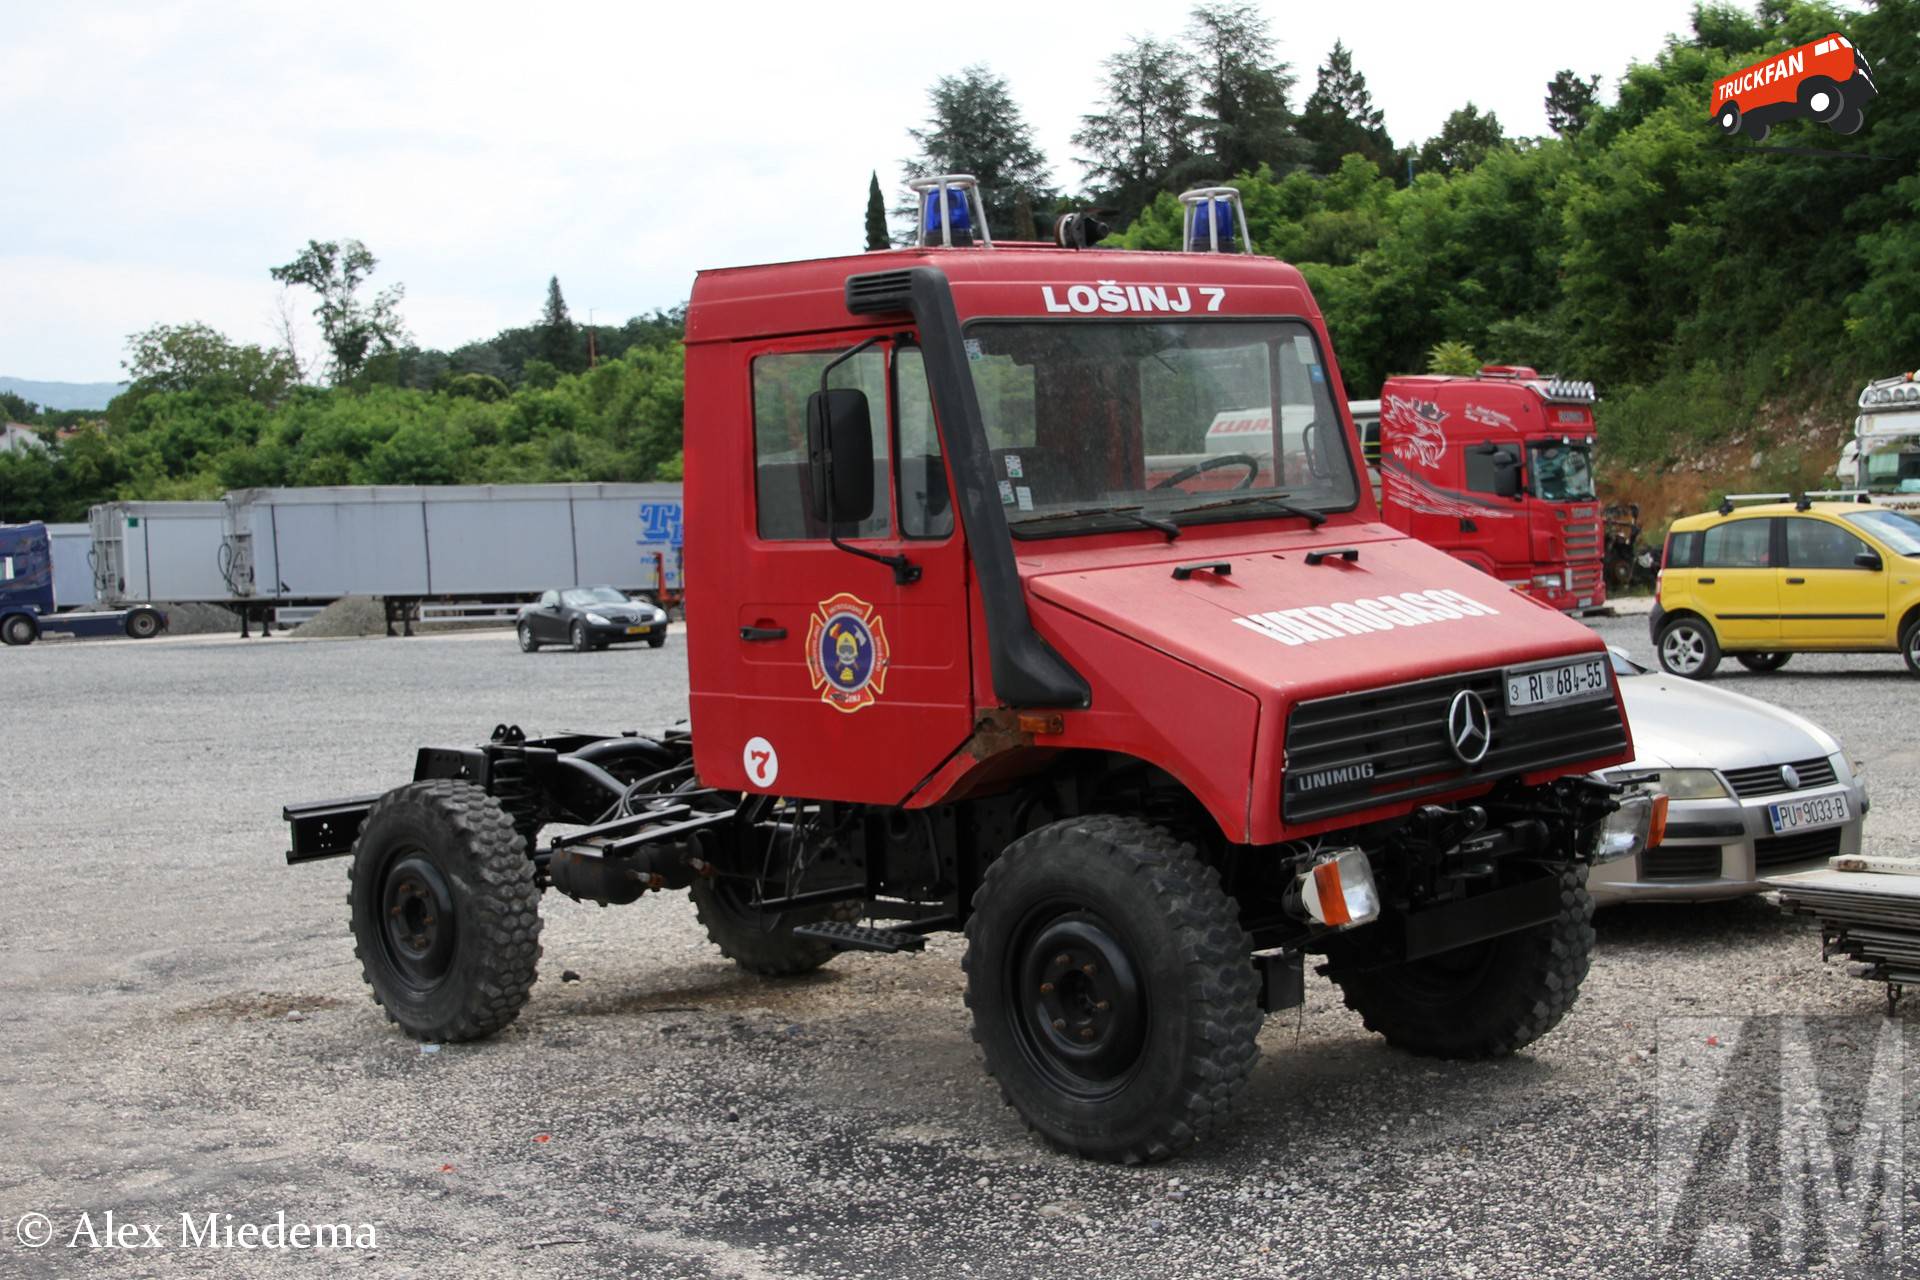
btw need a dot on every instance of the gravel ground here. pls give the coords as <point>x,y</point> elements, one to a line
<point>185,1031</point>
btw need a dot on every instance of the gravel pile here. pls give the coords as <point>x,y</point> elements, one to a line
<point>200,620</point>
<point>348,616</point>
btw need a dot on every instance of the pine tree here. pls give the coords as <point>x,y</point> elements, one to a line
<point>1569,101</point>
<point>1143,142</point>
<point>978,129</point>
<point>1340,118</point>
<point>559,340</point>
<point>1247,121</point>
<point>877,236</point>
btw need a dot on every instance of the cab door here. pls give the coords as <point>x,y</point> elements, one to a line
<point>1738,585</point>
<point>1828,599</point>
<point>847,678</point>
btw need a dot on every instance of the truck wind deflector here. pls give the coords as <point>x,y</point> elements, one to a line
<point>1027,672</point>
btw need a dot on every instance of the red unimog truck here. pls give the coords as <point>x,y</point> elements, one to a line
<point>957,664</point>
<point>1497,470</point>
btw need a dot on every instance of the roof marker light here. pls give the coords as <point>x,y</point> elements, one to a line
<point>1211,218</point>
<point>951,211</point>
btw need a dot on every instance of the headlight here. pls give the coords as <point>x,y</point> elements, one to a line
<point>597,620</point>
<point>1548,580</point>
<point>1639,823</point>
<point>1690,784</point>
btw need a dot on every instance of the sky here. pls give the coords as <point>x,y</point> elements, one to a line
<point>161,156</point>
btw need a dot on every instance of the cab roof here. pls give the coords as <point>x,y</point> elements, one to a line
<point>733,303</point>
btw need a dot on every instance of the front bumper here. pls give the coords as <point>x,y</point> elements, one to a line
<point>625,632</point>
<point>1723,848</point>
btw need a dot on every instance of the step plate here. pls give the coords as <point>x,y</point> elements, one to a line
<point>848,936</point>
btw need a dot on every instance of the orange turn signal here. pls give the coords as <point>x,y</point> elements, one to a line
<point>1039,722</point>
<point>1657,829</point>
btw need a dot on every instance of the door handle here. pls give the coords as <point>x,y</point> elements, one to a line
<point>763,634</point>
<point>1706,582</point>
<point>1796,582</point>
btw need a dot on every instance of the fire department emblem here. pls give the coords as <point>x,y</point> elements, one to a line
<point>847,652</point>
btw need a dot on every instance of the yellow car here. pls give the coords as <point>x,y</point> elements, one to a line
<point>1761,583</point>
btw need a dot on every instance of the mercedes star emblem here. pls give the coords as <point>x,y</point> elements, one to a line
<point>1469,727</point>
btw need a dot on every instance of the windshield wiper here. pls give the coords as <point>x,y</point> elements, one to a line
<point>1277,500</point>
<point>1133,513</point>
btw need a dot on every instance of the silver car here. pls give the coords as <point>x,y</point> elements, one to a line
<point>1752,791</point>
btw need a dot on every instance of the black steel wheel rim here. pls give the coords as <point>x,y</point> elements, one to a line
<point>1079,1009</point>
<point>418,931</point>
<point>1450,975</point>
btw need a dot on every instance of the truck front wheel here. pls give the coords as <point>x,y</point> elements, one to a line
<point>1112,989</point>
<point>143,624</point>
<point>1485,1000</point>
<point>446,915</point>
<point>19,629</point>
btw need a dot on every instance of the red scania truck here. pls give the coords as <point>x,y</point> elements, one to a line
<point>1497,471</point>
<point>971,648</point>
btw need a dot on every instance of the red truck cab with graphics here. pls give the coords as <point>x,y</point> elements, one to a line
<point>1827,81</point>
<point>986,632</point>
<point>1497,471</point>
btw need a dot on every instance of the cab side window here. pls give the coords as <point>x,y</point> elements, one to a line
<point>1683,551</point>
<point>1815,544</point>
<point>783,482</point>
<point>926,504</point>
<point>1738,544</point>
<point>1483,465</point>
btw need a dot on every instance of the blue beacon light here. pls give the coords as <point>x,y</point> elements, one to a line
<point>1215,221</point>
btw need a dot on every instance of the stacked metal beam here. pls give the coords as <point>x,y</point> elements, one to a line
<point>1868,910</point>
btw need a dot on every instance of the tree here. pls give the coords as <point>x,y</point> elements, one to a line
<point>559,339</point>
<point>353,329</point>
<point>1143,141</point>
<point>1247,122</point>
<point>1454,358</point>
<point>1569,99</point>
<point>17,408</point>
<point>877,235</point>
<point>978,129</point>
<point>198,357</point>
<point>1463,141</point>
<point>1340,119</point>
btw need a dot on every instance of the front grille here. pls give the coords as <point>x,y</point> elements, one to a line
<point>1586,577</point>
<point>1681,862</point>
<point>1384,745</point>
<point>1765,780</point>
<point>1582,538</point>
<point>1777,851</point>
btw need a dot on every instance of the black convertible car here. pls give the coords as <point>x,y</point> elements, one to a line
<point>590,618</point>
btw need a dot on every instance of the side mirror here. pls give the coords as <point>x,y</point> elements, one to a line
<point>1506,476</point>
<point>840,455</point>
<point>1869,560</point>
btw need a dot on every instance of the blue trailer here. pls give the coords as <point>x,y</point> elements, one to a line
<point>27,606</point>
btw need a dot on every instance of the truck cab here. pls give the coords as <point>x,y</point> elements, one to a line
<point>1497,470</point>
<point>28,608</point>
<point>986,634</point>
<point>1883,458</point>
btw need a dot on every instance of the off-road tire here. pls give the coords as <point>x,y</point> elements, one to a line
<point>1521,986</point>
<point>1191,962</point>
<point>1762,662</point>
<point>523,632</point>
<point>464,834</point>
<point>143,624</point>
<point>757,944</point>
<point>1707,648</point>
<point>581,644</point>
<point>19,629</point>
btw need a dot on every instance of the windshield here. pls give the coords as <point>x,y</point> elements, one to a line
<point>1088,419</point>
<point>1561,472</point>
<point>1900,534</point>
<point>580,596</point>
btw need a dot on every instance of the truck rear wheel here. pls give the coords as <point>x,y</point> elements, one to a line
<point>446,916</point>
<point>1485,1000</point>
<point>1112,989</point>
<point>759,943</point>
<point>19,629</point>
